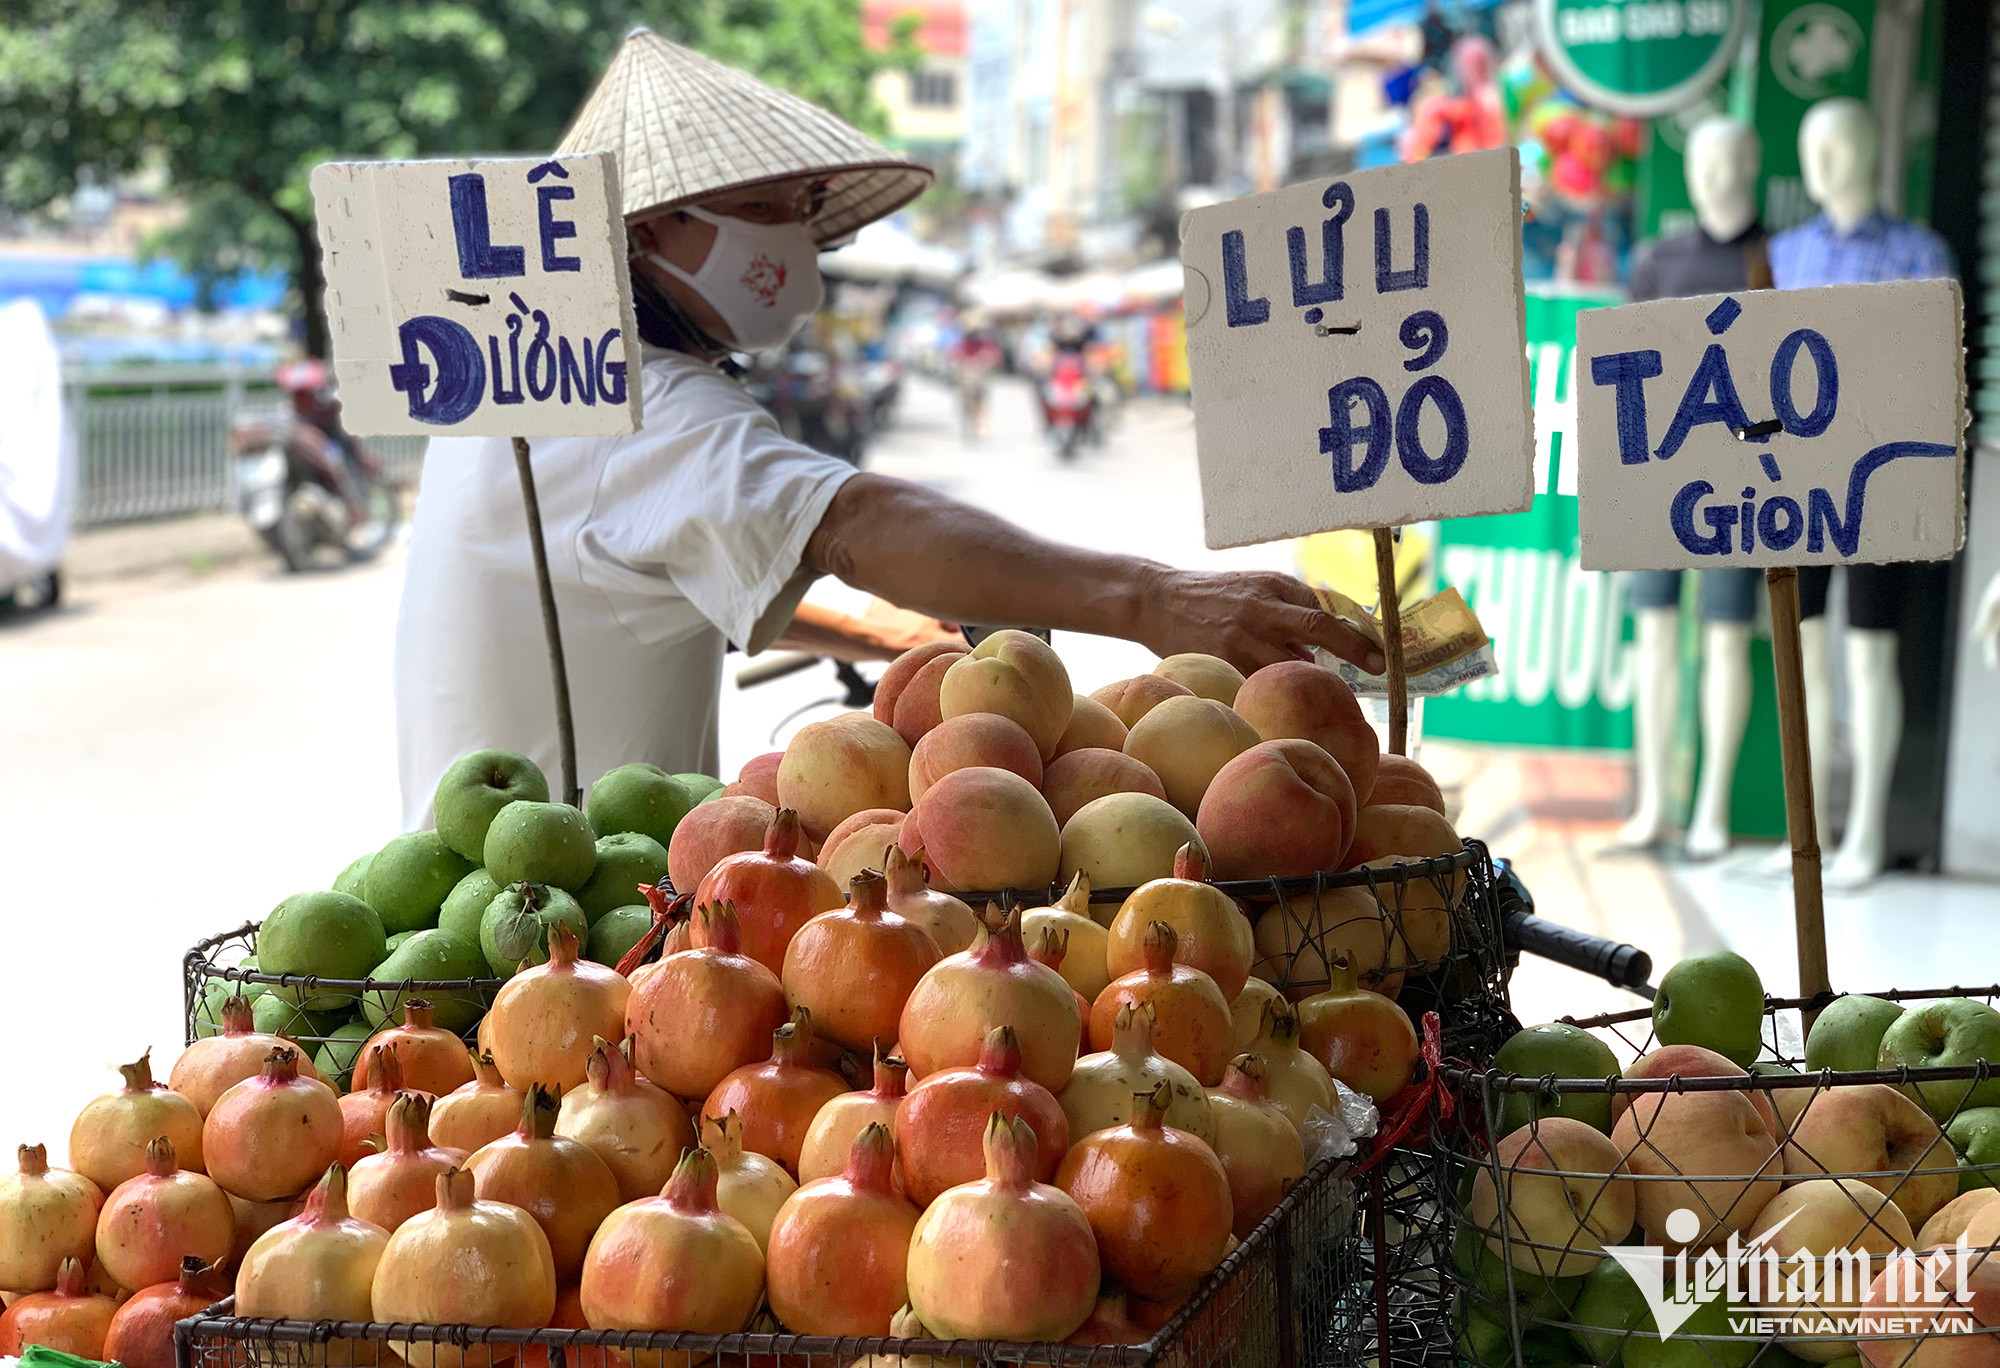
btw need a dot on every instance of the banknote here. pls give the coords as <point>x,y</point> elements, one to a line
<point>1444,646</point>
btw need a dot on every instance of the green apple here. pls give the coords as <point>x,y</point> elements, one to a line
<point>1714,1000</point>
<point>516,926</point>
<point>1610,1305</point>
<point>353,879</point>
<point>1562,1050</point>
<point>1848,1034</point>
<point>1645,1349</point>
<point>332,935</point>
<point>1535,1296</point>
<point>409,879</point>
<point>1947,1033</point>
<point>274,1016</point>
<point>625,859</point>
<point>1975,1134</point>
<point>208,1016</point>
<point>336,1056</point>
<point>465,906</point>
<point>434,956</point>
<point>616,932</point>
<point>545,843</point>
<point>646,799</point>
<point>475,788</point>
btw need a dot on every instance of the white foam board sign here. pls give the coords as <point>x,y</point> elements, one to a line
<point>479,297</point>
<point>1357,351</point>
<point>1772,427</point>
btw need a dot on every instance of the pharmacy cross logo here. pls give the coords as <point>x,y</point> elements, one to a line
<point>764,278</point>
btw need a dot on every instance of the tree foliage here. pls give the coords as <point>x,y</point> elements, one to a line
<point>237,100</point>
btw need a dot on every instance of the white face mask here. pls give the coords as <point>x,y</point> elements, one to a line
<point>762,279</point>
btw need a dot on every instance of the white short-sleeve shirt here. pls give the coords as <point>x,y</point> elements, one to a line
<point>663,545</point>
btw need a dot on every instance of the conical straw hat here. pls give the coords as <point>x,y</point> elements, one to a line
<point>684,126</point>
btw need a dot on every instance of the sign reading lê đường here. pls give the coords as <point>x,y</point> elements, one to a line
<point>1356,350</point>
<point>1850,402</point>
<point>486,298</point>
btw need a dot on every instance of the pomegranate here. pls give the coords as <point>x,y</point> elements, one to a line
<point>1099,1094</point>
<point>46,1215</point>
<point>364,1114</point>
<point>142,1332</point>
<point>1257,1143</point>
<point>271,1136</point>
<point>705,1012</point>
<point>1191,1025</point>
<point>484,1109</point>
<point>501,1274</point>
<point>949,921</point>
<point>779,1098</point>
<point>1246,1013</point>
<point>776,891</point>
<point>637,1128</point>
<point>545,1018</point>
<point>107,1142</point>
<point>1211,932</point>
<point>1050,946</point>
<point>1085,967</point>
<point>964,996</point>
<point>319,1265</point>
<point>830,1138</point>
<point>749,1186</point>
<point>560,1182</point>
<point>1111,1322</point>
<point>675,1262</point>
<point>854,968</point>
<point>1156,1197</point>
<point>70,1319</point>
<point>1364,1039</point>
<point>434,1060</point>
<point>389,1188</point>
<point>1005,1257</point>
<point>905,1325</point>
<point>840,1246</point>
<point>253,1219</point>
<point>1293,1080</point>
<point>941,1125</point>
<point>151,1222</point>
<point>569,1316</point>
<point>208,1068</point>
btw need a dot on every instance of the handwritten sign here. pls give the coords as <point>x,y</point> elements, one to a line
<point>481,297</point>
<point>1772,427</point>
<point>1356,350</point>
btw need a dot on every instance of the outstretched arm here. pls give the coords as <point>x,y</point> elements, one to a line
<point>919,549</point>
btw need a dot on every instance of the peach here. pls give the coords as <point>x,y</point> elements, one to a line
<point>1186,741</point>
<point>904,669</point>
<point>1281,808</point>
<point>1083,776</point>
<point>1555,1226</point>
<point>1872,1128</point>
<point>834,769</point>
<point>1695,1061</point>
<point>970,742</point>
<point>851,824</point>
<point>917,706</point>
<point>1402,782</point>
<point>1205,676</point>
<point>1714,1156</point>
<point>1308,701</point>
<point>717,829</point>
<point>1954,1218</point>
<point>985,829</point>
<point>1295,938</point>
<point>865,847</point>
<point>1017,675</point>
<point>1817,1218</point>
<point>1951,1334</point>
<point>1417,910</point>
<point>758,778</point>
<point>1131,699</point>
<point>1123,840</point>
<point>1409,833</point>
<point>1091,726</point>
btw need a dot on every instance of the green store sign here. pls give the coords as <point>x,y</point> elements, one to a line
<point>1638,57</point>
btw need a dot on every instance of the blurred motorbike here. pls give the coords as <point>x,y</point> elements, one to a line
<point>304,484</point>
<point>815,404</point>
<point>1069,404</point>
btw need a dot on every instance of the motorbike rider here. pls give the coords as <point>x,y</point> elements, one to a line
<point>975,356</point>
<point>309,385</point>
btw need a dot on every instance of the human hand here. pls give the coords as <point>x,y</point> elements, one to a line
<point>1986,623</point>
<point>1249,618</point>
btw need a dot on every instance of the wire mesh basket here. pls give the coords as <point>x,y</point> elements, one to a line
<point>1683,1216</point>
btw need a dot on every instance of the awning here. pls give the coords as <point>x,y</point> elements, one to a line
<point>1365,16</point>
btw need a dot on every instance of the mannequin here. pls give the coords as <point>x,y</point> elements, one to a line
<point>1725,253</point>
<point>1852,241</point>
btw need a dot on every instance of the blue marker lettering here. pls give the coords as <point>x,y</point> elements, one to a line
<point>1244,312</point>
<point>1826,373</point>
<point>1628,372</point>
<point>1418,277</point>
<point>1409,437</point>
<point>555,229</point>
<point>478,258</point>
<point>1331,285</point>
<point>1340,436</point>
<point>1720,520</point>
<point>450,389</point>
<point>1710,377</point>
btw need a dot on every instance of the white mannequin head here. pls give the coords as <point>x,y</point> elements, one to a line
<point>1838,146</point>
<point>1721,163</point>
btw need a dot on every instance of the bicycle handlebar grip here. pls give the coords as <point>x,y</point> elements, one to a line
<point>1623,966</point>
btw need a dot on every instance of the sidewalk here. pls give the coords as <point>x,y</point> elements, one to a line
<point>195,543</point>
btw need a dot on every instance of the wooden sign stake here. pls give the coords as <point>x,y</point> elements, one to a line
<point>552,629</point>
<point>1391,614</point>
<point>1808,910</point>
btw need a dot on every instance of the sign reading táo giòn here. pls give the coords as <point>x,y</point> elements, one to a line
<point>479,297</point>
<point>1355,346</point>
<point>1772,428</point>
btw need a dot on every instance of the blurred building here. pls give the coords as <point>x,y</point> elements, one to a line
<point>926,104</point>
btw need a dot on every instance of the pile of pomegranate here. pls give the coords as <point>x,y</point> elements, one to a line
<point>842,1100</point>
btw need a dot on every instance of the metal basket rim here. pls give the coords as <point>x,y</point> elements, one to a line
<point>1470,853</point>
<point>198,960</point>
